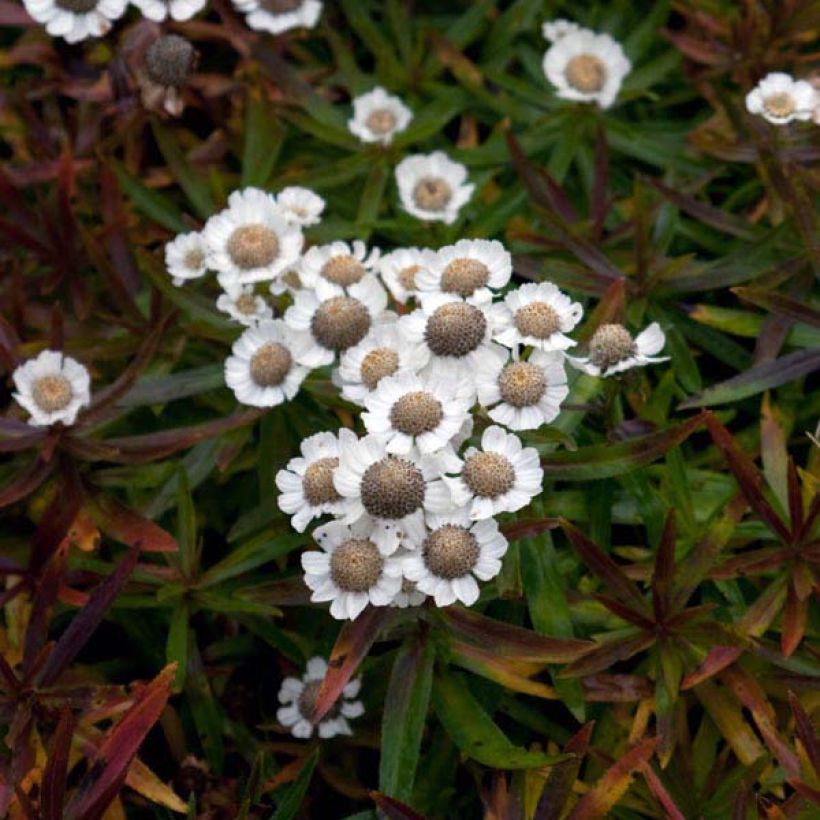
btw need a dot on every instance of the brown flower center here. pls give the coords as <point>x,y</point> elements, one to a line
<point>378,363</point>
<point>779,105</point>
<point>392,488</point>
<point>77,6</point>
<point>450,552</point>
<point>246,304</point>
<point>343,270</point>
<point>407,277</point>
<point>537,319</point>
<point>381,121</point>
<point>270,364</point>
<point>169,60</point>
<point>281,6</point>
<point>52,392</point>
<point>194,259</point>
<point>609,345</point>
<point>522,384</point>
<point>317,483</point>
<point>455,329</point>
<point>586,73</point>
<point>356,565</point>
<point>253,246</point>
<point>488,475</point>
<point>308,699</point>
<point>464,276</point>
<point>416,413</point>
<point>340,323</point>
<point>432,193</point>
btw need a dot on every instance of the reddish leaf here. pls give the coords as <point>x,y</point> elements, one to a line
<point>625,613</point>
<point>607,653</point>
<point>129,527</point>
<point>672,812</point>
<point>605,688</point>
<point>719,658</point>
<point>56,770</point>
<point>528,528</point>
<point>599,204</point>
<point>25,482</point>
<point>394,809</point>
<point>805,732</point>
<point>778,303</point>
<point>794,622</point>
<point>558,786</point>
<point>57,520</point>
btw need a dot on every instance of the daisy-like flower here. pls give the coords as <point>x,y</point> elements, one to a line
<point>537,315</point>
<point>526,394</point>
<point>166,68</point>
<point>455,336</point>
<point>400,268</point>
<point>472,269</point>
<point>406,411</point>
<point>331,269</point>
<point>394,491</point>
<point>382,353</point>
<point>264,369</point>
<point>250,241</point>
<point>244,305</point>
<point>503,476</point>
<point>554,30</point>
<point>433,187</point>
<point>278,16</point>
<point>779,99</point>
<point>587,67</point>
<point>306,484</point>
<point>613,350</point>
<point>378,116</point>
<point>301,206</point>
<point>350,570</point>
<point>159,10</point>
<point>52,387</point>
<point>331,326</point>
<point>455,551</point>
<point>299,702</point>
<point>186,257</point>
<point>76,20</point>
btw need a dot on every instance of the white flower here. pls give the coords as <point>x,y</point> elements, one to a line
<point>277,16</point>
<point>526,394</point>
<point>331,326</point>
<point>242,304</point>
<point>250,241</point>
<point>350,570</point>
<point>301,206</point>
<point>409,594</point>
<point>331,269</point>
<point>395,491</point>
<point>299,699</point>
<point>306,484</point>
<point>406,411</point>
<point>264,369</point>
<point>537,315</point>
<point>433,187</point>
<point>52,387</point>
<point>383,352</point>
<point>779,99</point>
<point>400,268</point>
<point>76,20</point>
<point>186,257</point>
<point>503,476</point>
<point>613,350</point>
<point>472,269</point>
<point>556,29</point>
<point>378,116</point>
<point>587,67</point>
<point>179,10</point>
<point>455,551</point>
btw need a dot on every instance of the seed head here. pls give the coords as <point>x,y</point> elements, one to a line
<point>378,363</point>
<point>416,413</point>
<point>522,384</point>
<point>779,105</point>
<point>464,276</point>
<point>586,72</point>
<point>432,193</point>
<point>455,329</point>
<point>317,483</point>
<point>450,551</point>
<point>340,323</point>
<point>392,488</point>
<point>270,364</point>
<point>609,345</point>
<point>356,565</point>
<point>537,319</point>
<point>253,246</point>
<point>488,475</point>
<point>77,6</point>
<point>407,277</point>
<point>381,121</point>
<point>169,60</point>
<point>344,270</point>
<point>52,392</point>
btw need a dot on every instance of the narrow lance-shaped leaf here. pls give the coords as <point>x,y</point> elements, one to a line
<point>56,770</point>
<point>562,777</point>
<point>294,795</point>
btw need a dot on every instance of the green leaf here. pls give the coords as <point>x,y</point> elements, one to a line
<point>264,135</point>
<point>208,717</point>
<point>292,799</point>
<point>176,649</point>
<point>371,198</point>
<point>150,202</point>
<point>256,552</point>
<point>186,527</point>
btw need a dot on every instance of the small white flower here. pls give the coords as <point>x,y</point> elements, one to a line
<point>613,350</point>
<point>779,99</point>
<point>383,352</point>
<point>556,29</point>
<point>378,116</point>
<point>526,394</point>
<point>537,315</point>
<point>394,491</point>
<point>503,476</point>
<point>299,699</point>
<point>76,20</point>
<point>350,570</point>
<point>52,387</point>
<point>278,16</point>
<point>433,187</point>
<point>243,305</point>
<point>264,369</point>
<point>406,411</point>
<point>471,269</point>
<point>306,484</point>
<point>186,257</point>
<point>179,10</point>
<point>331,326</point>
<point>587,67</point>
<point>409,595</point>
<point>250,241</point>
<point>331,269</point>
<point>400,268</point>
<point>301,206</point>
<point>455,551</point>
